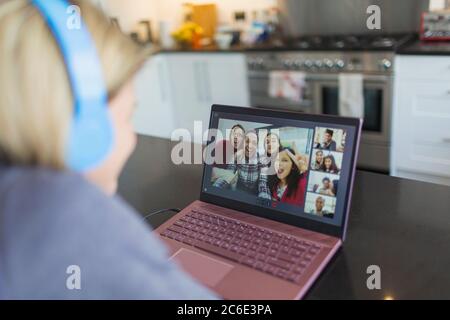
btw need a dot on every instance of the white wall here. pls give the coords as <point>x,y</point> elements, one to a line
<point>172,8</point>
<point>130,12</point>
<point>439,4</point>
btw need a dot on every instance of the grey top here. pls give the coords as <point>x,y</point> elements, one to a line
<point>58,233</point>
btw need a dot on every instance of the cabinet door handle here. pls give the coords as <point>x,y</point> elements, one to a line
<point>162,82</point>
<point>198,80</point>
<point>207,86</point>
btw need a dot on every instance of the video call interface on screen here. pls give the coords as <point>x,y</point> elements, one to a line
<point>296,167</point>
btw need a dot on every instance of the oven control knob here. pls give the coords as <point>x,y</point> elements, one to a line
<point>339,63</point>
<point>298,64</point>
<point>259,63</point>
<point>318,64</point>
<point>287,64</point>
<point>308,64</point>
<point>386,64</point>
<point>253,63</point>
<point>329,64</point>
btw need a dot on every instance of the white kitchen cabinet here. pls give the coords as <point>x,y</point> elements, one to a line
<point>177,89</point>
<point>421,123</point>
<point>228,78</point>
<point>154,115</point>
<point>200,80</point>
<point>423,67</point>
<point>189,82</point>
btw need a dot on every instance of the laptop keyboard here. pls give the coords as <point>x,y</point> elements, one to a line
<point>282,256</point>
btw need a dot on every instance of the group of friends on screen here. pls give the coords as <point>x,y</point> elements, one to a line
<point>325,173</point>
<point>278,174</point>
<point>275,169</point>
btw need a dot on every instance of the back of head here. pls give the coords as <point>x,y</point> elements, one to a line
<point>36,102</point>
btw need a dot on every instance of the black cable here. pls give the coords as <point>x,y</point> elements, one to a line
<point>161,211</point>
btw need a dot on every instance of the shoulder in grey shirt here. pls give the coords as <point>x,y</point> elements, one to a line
<point>51,220</point>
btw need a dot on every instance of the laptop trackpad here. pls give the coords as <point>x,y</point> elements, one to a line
<point>207,270</point>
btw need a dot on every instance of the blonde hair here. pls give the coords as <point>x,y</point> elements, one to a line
<point>36,102</point>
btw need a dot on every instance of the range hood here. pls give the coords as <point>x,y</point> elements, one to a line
<point>343,17</point>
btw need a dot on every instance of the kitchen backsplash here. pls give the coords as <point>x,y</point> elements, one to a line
<point>129,13</point>
<point>171,10</point>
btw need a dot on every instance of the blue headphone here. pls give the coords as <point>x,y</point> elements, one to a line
<point>91,137</point>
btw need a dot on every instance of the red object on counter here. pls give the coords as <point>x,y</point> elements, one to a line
<point>196,42</point>
<point>434,35</point>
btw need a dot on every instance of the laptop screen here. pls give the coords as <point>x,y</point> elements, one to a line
<point>297,168</point>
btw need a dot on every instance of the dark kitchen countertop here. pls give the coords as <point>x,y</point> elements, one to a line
<point>207,49</point>
<point>246,49</point>
<point>215,49</point>
<point>402,226</point>
<point>416,47</point>
<point>426,48</point>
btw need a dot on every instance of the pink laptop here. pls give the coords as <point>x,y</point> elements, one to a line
<point>274,202</point>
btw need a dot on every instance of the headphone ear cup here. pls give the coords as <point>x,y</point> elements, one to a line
<point>92,135</point>
<point>91,139</point>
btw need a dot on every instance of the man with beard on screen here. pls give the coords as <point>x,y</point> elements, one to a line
<point>246,167</point>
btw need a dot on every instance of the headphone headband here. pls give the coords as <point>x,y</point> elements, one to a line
<point>91,136</point>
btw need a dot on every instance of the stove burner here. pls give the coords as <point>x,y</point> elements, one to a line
<point>352,42</point>
<point>383,42</point>
<point>304,44</point>
<point>346,42</point>
<point>310,42</point>
<point>339,44</point>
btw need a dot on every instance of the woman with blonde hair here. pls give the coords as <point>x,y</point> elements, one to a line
<point>63,143</point>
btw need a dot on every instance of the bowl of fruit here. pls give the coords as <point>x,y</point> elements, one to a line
<point>189,35</point>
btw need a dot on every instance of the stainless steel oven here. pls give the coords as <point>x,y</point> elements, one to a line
<point>321,92</point>
<point>377,115</point>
